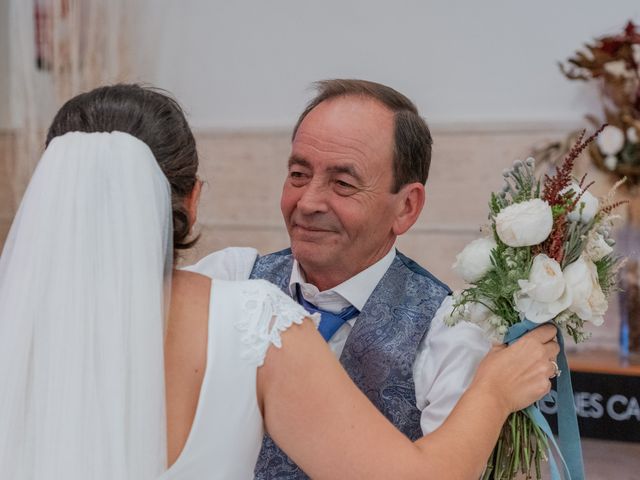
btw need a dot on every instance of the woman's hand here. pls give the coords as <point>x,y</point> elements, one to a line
<point>519,374</point>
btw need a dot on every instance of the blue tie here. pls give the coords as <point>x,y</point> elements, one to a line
<point>330,323</point>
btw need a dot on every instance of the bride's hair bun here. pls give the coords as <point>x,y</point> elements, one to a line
<point>150,115</point>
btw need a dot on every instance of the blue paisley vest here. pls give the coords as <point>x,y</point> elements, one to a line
<point>398,315</point>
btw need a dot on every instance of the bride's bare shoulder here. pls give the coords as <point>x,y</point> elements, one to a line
<point>189,308</point>
<point>189,290</point>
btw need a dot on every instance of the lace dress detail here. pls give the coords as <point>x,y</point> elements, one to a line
<point>266,313</point>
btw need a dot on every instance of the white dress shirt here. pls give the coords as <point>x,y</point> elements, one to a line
<point>447,357</point>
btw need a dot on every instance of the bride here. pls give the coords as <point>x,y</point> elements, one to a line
<point>114,365</point>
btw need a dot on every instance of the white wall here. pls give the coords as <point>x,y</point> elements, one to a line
<point>248,64</point>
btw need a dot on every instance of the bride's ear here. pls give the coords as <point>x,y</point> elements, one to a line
<point>192,201</point>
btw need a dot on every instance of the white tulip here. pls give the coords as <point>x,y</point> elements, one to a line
<point>586,208</point>
<point>525,224</point>
<point>474,261</point>
<point>611,162</point>
<point>632,135</point>
<point>544,294</point>
<point>611,140</point>
<point>587,299</point>
<point>596,247</point>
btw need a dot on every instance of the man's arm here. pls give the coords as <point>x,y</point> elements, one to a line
<point>232,263</point>
<point>445,365</point>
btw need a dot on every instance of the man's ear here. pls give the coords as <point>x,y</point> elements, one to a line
<point>192,201</point>
<point>411,199</point>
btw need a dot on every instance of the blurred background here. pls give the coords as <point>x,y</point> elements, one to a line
<point>484,74</point>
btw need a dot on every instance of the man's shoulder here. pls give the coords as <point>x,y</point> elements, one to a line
<point>420,273</point>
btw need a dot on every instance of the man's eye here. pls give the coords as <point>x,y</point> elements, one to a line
<point>342,184</point>
<point>298,178</point>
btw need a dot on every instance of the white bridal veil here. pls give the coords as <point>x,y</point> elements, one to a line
<point>82,288</point>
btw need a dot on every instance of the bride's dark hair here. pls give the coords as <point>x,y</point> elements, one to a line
<point>150,115</point>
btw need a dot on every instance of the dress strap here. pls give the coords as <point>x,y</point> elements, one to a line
<point>266,313</point>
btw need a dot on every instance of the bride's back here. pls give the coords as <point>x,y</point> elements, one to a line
<point>185,355</point>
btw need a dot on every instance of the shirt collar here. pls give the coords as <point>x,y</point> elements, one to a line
<point>355,290</point>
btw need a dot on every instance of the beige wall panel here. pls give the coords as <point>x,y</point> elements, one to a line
<point>244,174</point>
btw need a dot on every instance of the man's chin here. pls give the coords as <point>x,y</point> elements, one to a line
<point>310,253</point>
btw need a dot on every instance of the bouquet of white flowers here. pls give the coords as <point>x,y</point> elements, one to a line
<point>547,257</point>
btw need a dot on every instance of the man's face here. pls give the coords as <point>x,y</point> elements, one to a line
<point>337,201</point>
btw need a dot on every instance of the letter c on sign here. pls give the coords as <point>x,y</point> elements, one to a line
<point>610,407</point>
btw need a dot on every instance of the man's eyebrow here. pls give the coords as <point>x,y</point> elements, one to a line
<point>295,160</point>
<point>336,169</point>
<point>348,169</point>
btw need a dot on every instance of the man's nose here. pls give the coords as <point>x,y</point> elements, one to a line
<point>313,199</point>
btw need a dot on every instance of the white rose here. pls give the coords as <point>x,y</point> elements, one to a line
<point>587,299</point>
<point>597,247</point>
<point>586,208</point>
<point>632,134</point>
<point>475,259</point>
<point>544,295</point>
<point>611,162</point>
<point>524,224</point>
<point>611,140</point>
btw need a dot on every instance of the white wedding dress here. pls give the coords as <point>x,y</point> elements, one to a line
<point>245,318</point>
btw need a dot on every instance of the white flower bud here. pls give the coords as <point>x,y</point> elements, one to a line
<point>617,68</point>
<point>611,162</point>
<point>597,247</point>
<point>611,140</point>
<point>587,206</point>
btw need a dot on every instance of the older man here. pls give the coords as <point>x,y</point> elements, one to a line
<point>359,161</point>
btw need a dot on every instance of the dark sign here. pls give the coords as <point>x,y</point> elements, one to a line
<point>607,406</point>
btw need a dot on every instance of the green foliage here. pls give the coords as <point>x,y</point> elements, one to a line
<point>575,241</point>
<point>496,203</point>
<point>607,268</point>
<point>520,182</point>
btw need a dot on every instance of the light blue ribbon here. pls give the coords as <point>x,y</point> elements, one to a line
<point>568,447</point>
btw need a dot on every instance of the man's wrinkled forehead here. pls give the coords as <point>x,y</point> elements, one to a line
<point>359,127</point>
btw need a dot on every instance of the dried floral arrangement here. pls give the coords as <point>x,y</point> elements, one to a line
<point>613,61</point>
